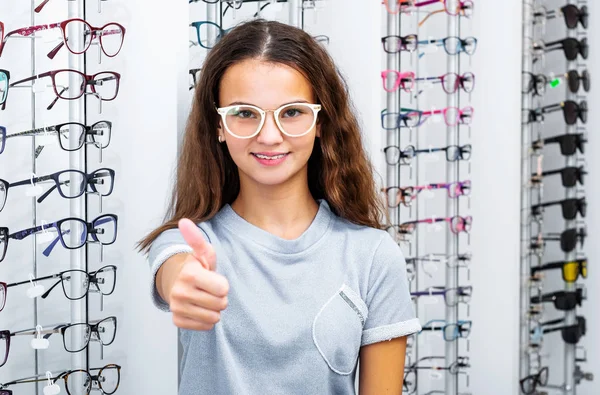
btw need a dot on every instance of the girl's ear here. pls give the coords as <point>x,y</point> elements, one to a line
<point>318,131</point>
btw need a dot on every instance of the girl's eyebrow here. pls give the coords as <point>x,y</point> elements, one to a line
<point>240,103</point>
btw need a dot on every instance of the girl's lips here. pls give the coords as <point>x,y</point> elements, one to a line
<point>270,162</point>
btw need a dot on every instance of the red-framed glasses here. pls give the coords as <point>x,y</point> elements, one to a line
<point>452,115</point>
<point>71,84</point>
<point>77,36</point>
<point>405,196</point>
<point>405,80</point>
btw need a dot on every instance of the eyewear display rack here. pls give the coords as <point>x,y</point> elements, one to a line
<point>46,380</point>
<point>425,248</point>
<point>534,29</point>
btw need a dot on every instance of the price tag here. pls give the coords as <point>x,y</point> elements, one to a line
<point>35,190</point>
<point>40,344</point>
<point>35,291</point>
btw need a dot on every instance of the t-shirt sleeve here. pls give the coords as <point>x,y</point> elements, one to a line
<point>167,244</point>
<point>391,312</point>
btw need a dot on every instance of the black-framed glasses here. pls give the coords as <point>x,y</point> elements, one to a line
<point>571,270</point>
<point>571,112</point>
<point>76,337</point>
<point>570,207</point>
<point>568,239</point>
<point>570,175</point>
<point>4,84</point>
<point>405,118</point>
<point>103,281</point>
<point>71,135</point>
<point>78,381</point>
<point>574,80</point>
<point>454,368</point>
<point>70,184</point>
<point>451,331</point>
<point>194,75</point>
<point>570,46</point>
<point>571,13</point>
<point>393,44</point>
<point>530,383</point>
<point>102,230</point>
<point>571,334</point>
<point>452,296</point>
<point>563,300</point>
<point>569,143</point>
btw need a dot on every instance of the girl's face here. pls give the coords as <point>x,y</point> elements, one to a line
<point>269,158</point>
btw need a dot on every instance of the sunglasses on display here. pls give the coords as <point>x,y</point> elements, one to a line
<point>570,176</point>
<point>71,135</point>
<point>457,224</point>
<point>405,80</point>
<point>570,46</point>
<point>568,239</point>
<point>395,44</point>
<point>103,281</point>
<point>530,383</point>
<point>76,337</point>
<point>569,143</point>
<point>246,121</point>
<point>70,184</point>
<point>570,207</point>
<point>453,45</point>
<point>574,80</point>
<point>208,33</point>
<point>396,195</point>
<point>451,82</point>
<point>571,334</point>
<point>103,85</point>
<point>77,36</point>
<point>452,296</point>
<point>571,270</point>
<point>563,300</point>
<point>571,112</point>
<point>451,331</point>
<point>78,381</point>
<point>571,13</point>
<point>102,230</point>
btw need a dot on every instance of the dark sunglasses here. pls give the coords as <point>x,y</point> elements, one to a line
<point>569,143</point>
<point>573,79</point>
<point>570,46</point>
<point>571,270</point>
<point>529,384</point>
<point>571,334</point>
<point>569,207</point>
<point>571,111</point>
<point>568,239</point>
<point>573,15</point>
<point>563,300</point>
<point>570,176</point>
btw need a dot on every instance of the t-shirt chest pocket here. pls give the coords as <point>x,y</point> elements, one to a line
<point>337,329</point>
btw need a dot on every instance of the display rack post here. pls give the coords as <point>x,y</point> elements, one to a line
<point>451,382</point>
<point>295,6</point>
<point>526,131</point>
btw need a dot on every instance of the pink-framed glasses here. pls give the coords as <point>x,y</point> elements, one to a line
<point>405,196</point>
<point>457,224</point>
<point>77,36</point>
<point>404,80</point>
<point>395,6</point>
<point>450,82</point>
<point>452,115</point>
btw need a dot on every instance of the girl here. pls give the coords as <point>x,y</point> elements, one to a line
<point>285,276</point>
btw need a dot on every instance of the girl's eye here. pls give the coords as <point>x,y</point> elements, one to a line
<point>244,114</point>
<point>292,112</point>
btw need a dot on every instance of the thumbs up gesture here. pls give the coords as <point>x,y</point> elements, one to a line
<point>198,293</point>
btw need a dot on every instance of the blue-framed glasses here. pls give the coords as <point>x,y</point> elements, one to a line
<point>102,230</point>
<point>208,33</point>
<point>451,331</point>
<point>406,118</point>
<point>453,45</point>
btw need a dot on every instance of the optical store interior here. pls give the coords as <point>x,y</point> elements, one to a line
<point>474,113</point>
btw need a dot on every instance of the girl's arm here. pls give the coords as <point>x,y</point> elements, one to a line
<point>382,367</point>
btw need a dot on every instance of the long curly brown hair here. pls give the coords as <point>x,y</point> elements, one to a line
<point>338,169</point>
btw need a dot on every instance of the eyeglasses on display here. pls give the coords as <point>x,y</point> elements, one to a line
<point>102,230</point>
<point>571,13</point>
<point>570,175</point>
<point>104,85</point>
<point>405,118</point>
<point>77,36</point>
<point>208,33</point>
<point>562,300</point>
<point>246,121</point>
<point>451,331</point>
<point>570,46</point>
<point>394,44</point>
<point>454,45</point>
<point>397,195</point>
<point>570,207</point>
<point>568,239</point>
<point>452,115</point>
<point>75,283</point>
<point>530,383</point>
<point>571,111</point>
<point>451,261</point>
<point>571,334</point>
<point>461,8</point>
<point>71,135</point>
<point>571,270</point>
<point>569,143</point>
<point>534,83</point>
<point>76,337</point>
<point>452,296</point>
<point>79,381</point>
<point>70,184</point>
<point>451,82</point>
<point>4,82</point>
<point>457,224</point>
<point>405,80</point>
<point>574,80</point>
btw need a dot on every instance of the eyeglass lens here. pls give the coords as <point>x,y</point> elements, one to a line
<point>293,119</point>
<point>105,84</point>
<point>3,86</point>
<point>2,296</point>
<point>79,35</point>
<point>571,270</point>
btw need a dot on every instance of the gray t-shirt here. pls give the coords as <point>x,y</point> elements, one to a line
<point>299,310</point>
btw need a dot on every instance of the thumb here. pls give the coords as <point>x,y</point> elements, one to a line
<point>194,238</point>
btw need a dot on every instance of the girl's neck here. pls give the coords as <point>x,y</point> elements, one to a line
<point>285,210</point>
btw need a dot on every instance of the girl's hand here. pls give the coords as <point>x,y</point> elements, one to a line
<point>198,293</point>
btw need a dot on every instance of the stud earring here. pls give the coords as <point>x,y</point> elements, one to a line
<point>220,139</point>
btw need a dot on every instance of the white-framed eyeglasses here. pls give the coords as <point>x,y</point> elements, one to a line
<point>246,121</point>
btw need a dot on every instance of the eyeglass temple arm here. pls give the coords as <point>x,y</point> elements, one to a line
<point>547,266</point>
<point>51,105</point>
<point>27,232</point>
<point>33,132</point>
<point>35,279</point>
<point>41,6</point>
<point>33,331</point>
<point>34,180</point>
<point>51,246</point>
